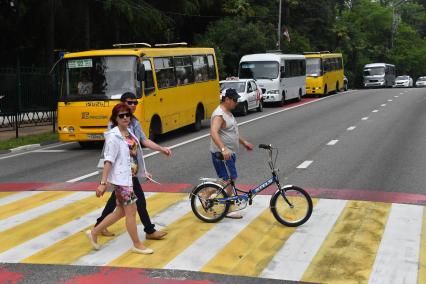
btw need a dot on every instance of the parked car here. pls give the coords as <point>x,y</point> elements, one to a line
<point>250,92</point>
<point>404,81</point>
<point>421,82</point>
<point>345,83</point>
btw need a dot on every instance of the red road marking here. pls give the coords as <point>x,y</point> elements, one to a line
<point>347,194</point>
<point>10,277</point>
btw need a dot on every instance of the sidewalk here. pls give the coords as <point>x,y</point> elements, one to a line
<point>25,131</point>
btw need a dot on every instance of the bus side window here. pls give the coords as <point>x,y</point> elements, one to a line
<point>184,71</point>
<point>164,70</point>
<point>212,67</point>
<point>149,80</point>
<point>200,67</point>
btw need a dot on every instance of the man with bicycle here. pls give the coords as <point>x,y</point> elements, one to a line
<point>225,140</point>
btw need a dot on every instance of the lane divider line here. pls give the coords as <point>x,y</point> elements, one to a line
<point>351,128</point>
<point>376,110</point>
<point>364,118</point>
<point>304,165</point>
<point>383,105</point>
<point>332,142</point>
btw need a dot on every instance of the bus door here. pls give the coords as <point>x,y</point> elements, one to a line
<point>150,101</point>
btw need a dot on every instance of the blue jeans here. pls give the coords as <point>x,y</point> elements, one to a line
<point>220,168</point>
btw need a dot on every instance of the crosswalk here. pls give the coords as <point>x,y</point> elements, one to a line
<point>345,241</point>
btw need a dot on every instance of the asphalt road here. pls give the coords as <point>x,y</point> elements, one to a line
<point>383,152</point>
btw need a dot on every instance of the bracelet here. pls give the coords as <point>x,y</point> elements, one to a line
<point>102,183</point>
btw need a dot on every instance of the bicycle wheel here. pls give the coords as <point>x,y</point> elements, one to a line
<point>204,203</point>
<point>296,211</point>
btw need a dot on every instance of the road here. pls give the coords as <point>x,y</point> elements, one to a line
<point>361,143</point>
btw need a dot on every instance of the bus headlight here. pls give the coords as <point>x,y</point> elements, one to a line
<point>273,92</point>
<point>71,129</point>
<point>65,129</point>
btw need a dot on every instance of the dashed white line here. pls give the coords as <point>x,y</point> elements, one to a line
<point>376,110</point>
<point>83,177</point>
<point>351,128</point>
<point>390,100</point>
<point>364,118</point>
<point>332,142</point>
<point>304,165</point>
<point>396,96</point>
<point>383,105</point>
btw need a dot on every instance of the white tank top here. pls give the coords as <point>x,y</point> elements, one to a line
<point>229,135</point>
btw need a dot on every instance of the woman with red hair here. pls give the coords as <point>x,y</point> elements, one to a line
<point>123,160</point>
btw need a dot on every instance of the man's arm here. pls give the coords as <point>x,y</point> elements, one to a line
<point>246,144</point>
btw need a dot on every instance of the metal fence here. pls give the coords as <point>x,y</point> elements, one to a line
<point>27,98</point>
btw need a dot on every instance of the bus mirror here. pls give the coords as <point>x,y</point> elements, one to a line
<point>282,72</point>
<point>141,72</point>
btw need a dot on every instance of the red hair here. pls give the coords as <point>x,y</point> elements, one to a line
<point>117,109</point>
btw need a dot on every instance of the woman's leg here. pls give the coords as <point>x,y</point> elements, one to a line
<point>130,212</point>
<point>108,221</point>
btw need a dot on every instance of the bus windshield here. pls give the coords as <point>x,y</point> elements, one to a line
<point>98,78</point>
<point>374,71</point>
<point>259,70</point>
<point>313,67</point>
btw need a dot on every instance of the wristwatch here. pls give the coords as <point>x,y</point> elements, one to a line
<point>102,183</point>
<point>222,149</point>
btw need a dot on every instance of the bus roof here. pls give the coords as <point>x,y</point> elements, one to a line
<point>270,56</point>
<point>146,51</point>
<point>372,65</point>
<point>322,55</point>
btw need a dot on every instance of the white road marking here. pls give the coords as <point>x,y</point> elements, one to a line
<point>383,105</point>
<point>29,152</point>
<point>397,260</point>
<point>332,142</point>
<point>222,233</point>
<point>401,93</point>
<point>351,128</point>
<point>390,100</point>
<point>396,96</point>
<point>364,118</point>
<point>122,243</point>
<point>304,165</point>
<point>33,213</point>
<point>18,196</point>
<point>83,177</point>
<point>50,151</point>
<point>291,261</point>
<point>376,110</point>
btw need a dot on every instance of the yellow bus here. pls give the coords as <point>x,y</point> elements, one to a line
<point>324,73</point>
<point>176,86</point>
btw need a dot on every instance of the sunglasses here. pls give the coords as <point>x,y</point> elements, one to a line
<point>123,115</point>
<point>135,103</point>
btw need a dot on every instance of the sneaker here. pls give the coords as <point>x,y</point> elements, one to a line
<point>234,215</point>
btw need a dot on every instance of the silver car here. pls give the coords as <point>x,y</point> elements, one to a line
<point>421,82</point>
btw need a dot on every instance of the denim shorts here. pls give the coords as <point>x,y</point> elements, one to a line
<point>220,168</point>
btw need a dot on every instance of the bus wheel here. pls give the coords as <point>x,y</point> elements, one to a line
<point>299,98</point>
<point>154,129</point>
<point>199,115</point>
<point>325,90</point>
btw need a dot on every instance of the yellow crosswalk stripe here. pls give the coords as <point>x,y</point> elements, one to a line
<point>5,194</point>
<point>253,248</point>
<point>28,203</point>
<point>421,277</point>
<point>76,246</point>
<point>182,234</point>
<point>40,225</point>
<point>348,253</point>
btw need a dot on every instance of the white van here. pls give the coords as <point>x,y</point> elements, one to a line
<point>281,77</point>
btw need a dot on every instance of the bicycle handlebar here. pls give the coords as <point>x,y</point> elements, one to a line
<point>264,146</point>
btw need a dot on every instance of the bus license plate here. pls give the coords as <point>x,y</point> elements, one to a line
<point>95,136</point>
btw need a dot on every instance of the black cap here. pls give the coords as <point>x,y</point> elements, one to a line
<point>232,94</point>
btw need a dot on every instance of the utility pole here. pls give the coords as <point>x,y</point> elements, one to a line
<point>279,27</point>
<point>396,18</point>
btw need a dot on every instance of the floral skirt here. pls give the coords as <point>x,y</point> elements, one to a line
<point>124,195</point>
